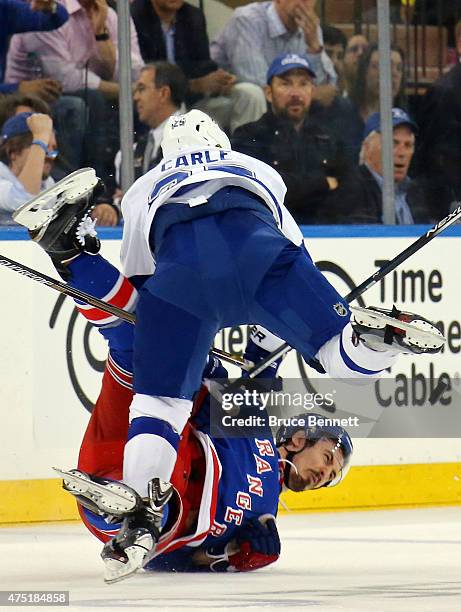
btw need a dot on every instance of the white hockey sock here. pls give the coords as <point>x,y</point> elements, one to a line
<point>343,358</point>
<point>153,438</point>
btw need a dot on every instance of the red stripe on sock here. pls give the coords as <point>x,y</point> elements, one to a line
<point>121,299</point>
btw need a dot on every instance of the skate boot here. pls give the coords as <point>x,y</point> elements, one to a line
<point>134,545</point>
<point>395,330</point>
<point>58,218</point>
<point>108,498</point>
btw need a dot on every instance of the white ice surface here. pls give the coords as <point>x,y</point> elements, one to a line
<point>397,560</point>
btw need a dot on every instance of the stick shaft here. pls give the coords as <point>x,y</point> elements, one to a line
<point>404,255</point>
<point>372,280</point>
<point>96,302</point>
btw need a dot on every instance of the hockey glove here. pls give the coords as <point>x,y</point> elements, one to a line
<point>259,545</point>
<point>214,368</point>
<point>260,344</point>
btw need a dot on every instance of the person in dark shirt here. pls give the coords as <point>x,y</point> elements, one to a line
<point>439,151</point>
<point>175,31</point>
<point>309,160</point>
<point>359,198</point>
<point>340,115</point>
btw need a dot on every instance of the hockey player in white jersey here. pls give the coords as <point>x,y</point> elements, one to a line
<point>209,228</point>
<point>210,244</point>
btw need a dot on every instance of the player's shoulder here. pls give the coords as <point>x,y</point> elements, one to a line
<point>138,192</point>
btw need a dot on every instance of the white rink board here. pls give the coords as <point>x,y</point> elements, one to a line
<point>44,419</point>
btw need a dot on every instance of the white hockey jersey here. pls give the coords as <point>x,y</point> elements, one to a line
<point>210,169</point>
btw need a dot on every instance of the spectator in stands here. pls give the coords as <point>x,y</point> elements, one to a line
<point>439,150</point>
<point>159,93</point>
<point>338,115</point>
<point>310,162</point>
<point>175,31</point>
<point>82,55</point>
<point>16,104</point>
<point>260,31</point>
<point>440,13</point>
<point>355,48</point>
<point>458,39</point>
<point>17,16</point>
<point>335,42</point>
<point>27,152</point>
<point>365,94</point>
<point>359,197</point>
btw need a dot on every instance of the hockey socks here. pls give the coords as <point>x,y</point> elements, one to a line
<point>345,356</point>
<point>95,275</point>
<point>153,439</point>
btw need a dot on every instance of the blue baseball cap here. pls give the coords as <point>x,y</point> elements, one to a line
<point>289,61</point>
<point>399,117</point>
<point>14,126</point>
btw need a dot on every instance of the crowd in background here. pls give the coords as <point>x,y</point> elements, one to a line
<point>296,93</point>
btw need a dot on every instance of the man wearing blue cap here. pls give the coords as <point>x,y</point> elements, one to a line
<point>360,198</point>
<point>309,160</point>
<point>27,152</point>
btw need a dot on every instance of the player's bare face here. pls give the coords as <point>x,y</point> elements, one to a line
<point>290,94</point>
<point>315,466</point>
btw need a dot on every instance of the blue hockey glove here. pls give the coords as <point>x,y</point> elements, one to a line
<point>214,368</point>
<point>253,355</point>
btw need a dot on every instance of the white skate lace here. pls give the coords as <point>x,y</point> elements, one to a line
<point>86,228</point>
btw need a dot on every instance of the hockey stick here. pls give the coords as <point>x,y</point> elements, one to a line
<point>96,302</point>
<point>371,280</point>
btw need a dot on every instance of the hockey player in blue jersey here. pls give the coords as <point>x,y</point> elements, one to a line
<point>207,233</point>
<point>221,515</point>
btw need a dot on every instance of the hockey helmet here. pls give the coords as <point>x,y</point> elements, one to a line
<point>194,129</point>
<point>313,434</point>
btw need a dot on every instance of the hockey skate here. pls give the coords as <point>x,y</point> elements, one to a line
<point>108,498</point>
<point>58,218</point>
<point>396,330</point>
<point>134,545</point>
